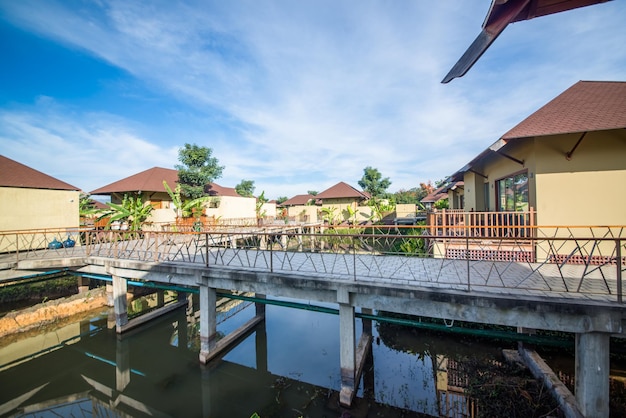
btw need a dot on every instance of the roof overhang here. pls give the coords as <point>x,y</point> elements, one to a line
<point>500,14</point>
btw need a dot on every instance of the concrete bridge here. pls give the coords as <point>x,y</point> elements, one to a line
<point>367,273</point>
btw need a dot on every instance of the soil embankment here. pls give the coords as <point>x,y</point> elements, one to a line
<point>51,311</point>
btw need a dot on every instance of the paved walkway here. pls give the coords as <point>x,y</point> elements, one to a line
<point>577,282</point>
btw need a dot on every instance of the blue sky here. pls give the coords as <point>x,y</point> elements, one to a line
<point>294,95</point>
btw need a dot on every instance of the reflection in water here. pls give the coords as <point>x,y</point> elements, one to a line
<point>289,366</point>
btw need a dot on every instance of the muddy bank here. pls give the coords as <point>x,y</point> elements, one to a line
<point>51,311</point>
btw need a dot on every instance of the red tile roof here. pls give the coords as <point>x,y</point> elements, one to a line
<point>215,189</point>
<point>151,180</point>
<point>342,190</point>
<point>14,174</point>
<point>297,200</point>
<point>586,106</point>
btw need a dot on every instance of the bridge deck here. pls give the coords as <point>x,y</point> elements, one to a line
<point>572,282</point>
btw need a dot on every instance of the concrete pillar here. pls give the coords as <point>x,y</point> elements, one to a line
<point>208,321</point>
<point>120,303</point>
<point>83,284</point>
<point>299,231</point>
<point>261,336</point>
<point>261,347</point>
<point>122,365</point>
<point>592,374</point>
<point>347,341</point>
<point>109,292</point>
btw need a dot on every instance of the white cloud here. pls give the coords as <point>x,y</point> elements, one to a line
<point>319,90</point>
<point>87,151</point>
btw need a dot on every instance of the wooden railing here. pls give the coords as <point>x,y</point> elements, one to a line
<point>453,222</point>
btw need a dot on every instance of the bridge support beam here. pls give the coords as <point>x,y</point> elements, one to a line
<point>352,356</point>
<point>592,374</point>
<point>208,322</point>
<point>120,303</point>
<point>347,339</point>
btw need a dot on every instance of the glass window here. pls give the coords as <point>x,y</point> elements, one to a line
<point>512,193</point>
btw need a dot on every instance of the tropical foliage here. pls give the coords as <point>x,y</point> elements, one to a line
<point>132,210</point>
<point>186,208</point>
<point>374,183</point>
<point>197,169</point>
<point>245,188</point>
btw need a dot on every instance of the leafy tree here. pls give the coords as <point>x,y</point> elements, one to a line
<point>374,183</point>
<point>86,206</point>
<point>379,207</point>
<point>132,210</point>
<point>245,188</point>
<point>414,194</point>
<point>197,169</point>
<point>185,208</point>
<point>312,192</point>
<point>260,201</point>
<point>281,199</point>
<point>441,204</point>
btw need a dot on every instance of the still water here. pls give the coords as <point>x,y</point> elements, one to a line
<point>287,367</point>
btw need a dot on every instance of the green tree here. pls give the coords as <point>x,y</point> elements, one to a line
<point>281,199</point>
<point>374,183</point>
<point>414,194</point>
<point>245,188</point>
<point>260,201</point>
<point>132,210</point>
<point>312,192</point>
<point>197,169</point>
<point>186,208</point>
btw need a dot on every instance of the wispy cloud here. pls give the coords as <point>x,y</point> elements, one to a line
<point>301,95</point>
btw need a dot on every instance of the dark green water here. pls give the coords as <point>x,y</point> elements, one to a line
<point>288,367</point>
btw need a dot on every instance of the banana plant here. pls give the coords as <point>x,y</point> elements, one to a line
<point>185,209</point>
<point>328,214</point>
<point>132,210</point>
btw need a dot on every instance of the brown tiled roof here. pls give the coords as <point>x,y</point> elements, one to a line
<point>300,199</point>
<point>150,180</point>
<point>342,190</point>
<point>586,106</point>
<point>14,174</point>
<point>215,189</point>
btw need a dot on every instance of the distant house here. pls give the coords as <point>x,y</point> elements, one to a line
<point>567,161</point>
<point>301,208</point>
<point>30,199</point>
<point>149,184</point>
<point>342,196</point>
<point>441,193</point>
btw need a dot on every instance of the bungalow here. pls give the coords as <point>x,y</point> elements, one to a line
<point>149,184</point>
<point>301,208</point>
<point>341,201</point>
<point>30,199</point>
<point>563,165</point>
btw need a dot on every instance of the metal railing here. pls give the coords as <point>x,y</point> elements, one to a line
<point>557,261</point>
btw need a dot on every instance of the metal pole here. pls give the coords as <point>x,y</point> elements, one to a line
<point>618,253</point>
<point>469,287</point>
<point>354,257</point>
<point>269,241</point>
<point>206,249</point>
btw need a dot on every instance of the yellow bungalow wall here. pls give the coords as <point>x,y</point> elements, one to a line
<point>23,208</point>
